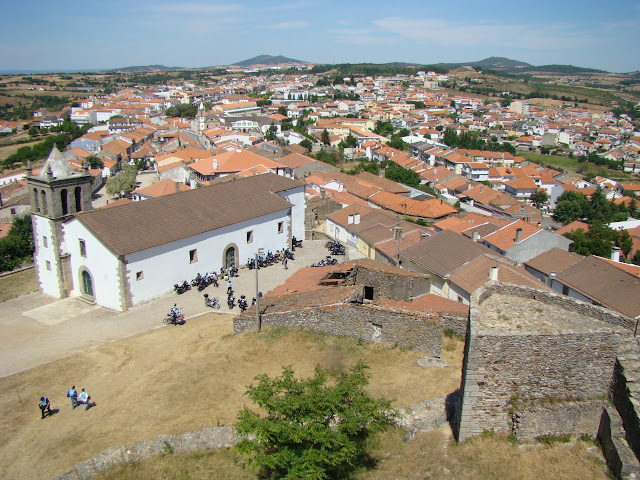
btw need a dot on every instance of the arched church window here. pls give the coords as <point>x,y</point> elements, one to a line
<point>63,201</point>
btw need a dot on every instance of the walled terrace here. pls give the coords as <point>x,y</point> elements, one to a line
<point>362,299</point>
<point>537,363</point>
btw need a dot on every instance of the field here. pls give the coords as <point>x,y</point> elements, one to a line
<point>176,380</point>
<point>16,284</point>
<point>571,165</point>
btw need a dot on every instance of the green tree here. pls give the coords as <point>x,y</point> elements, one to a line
<point>123,183</point>
<point>17,247</point>
<point>271,132</point>
<point>306,143</point>
<point>33,131</point>
<point>94,162</point>
<point>282,110</point>
<point>538,197</point>
<point>311,428</point>
<point>325,137</point>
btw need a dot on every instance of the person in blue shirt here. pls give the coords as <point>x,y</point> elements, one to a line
<point>73,395</point>
<point>45,405</point>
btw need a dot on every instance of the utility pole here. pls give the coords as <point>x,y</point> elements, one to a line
<point>398,237</point>
<point>260,252</point>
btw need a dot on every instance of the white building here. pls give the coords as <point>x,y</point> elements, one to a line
<point>126,255</point>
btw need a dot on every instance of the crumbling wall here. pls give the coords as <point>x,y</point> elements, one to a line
<point>417,331</point>
<point>391,285</point>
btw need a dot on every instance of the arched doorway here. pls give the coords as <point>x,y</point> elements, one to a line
<point>87,283</point>
<point>230,256</point>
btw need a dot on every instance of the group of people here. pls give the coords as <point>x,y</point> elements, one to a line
<point>82,398</point>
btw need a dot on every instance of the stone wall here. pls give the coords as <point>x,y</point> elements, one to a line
<point>620,458</point>
<point>562,301</point>
<point>626,391</point>
<point>391,285</point>
<point>209,438</point>
<point>506,372</point>
<point>418,331</point>
<point>564,418</point>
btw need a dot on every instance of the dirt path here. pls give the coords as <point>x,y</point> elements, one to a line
<point>178,379</point>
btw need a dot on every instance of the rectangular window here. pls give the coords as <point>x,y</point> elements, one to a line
<point>48,265</point>
<point>45,242</point>
<point>139,276</point>
<point>193,256</point>
<point>280,227</point>
<point>250,236</point>
<point>83,249</point>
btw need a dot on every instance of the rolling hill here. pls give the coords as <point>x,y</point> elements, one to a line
<point>267,60</point>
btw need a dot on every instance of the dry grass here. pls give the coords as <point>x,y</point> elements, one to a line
<point>176,380</point>
<point>434,455</point>
<point>16,284</point>
<point>431,455</point>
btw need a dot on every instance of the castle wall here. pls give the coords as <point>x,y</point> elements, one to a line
<point>420,332</point>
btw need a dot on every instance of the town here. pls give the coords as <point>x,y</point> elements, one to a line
<point>499,220</point>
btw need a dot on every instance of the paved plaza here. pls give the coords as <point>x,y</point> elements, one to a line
<point>37,329</point>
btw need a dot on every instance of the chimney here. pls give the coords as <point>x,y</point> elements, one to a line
<point>215,164</point>
<point>475,237</point>
<point>518,235</point>
<point>615,254</point>
<point>481,189</point>
<point>356,218</point>
<point>350,219</point>
<point>523,208</point>
<point>29,169</point>
<point>493,274</point>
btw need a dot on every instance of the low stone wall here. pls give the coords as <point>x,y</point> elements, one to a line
<point>619,456</point>
<point>209,438</point>
<point>564,418</point>
<point>457,322</point>
<point>418,331</point>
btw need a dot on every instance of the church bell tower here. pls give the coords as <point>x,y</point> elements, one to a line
<point>56,194</point>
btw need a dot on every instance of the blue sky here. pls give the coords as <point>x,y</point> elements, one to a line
<point>76,35</point>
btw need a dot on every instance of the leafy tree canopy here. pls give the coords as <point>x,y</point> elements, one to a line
<point>123,183</point>
<point>311,428</point>
<point>185,110</point>
<point>17,247</point>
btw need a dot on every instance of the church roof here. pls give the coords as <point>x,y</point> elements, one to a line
<point>142,225</point>
<point>56,162</point>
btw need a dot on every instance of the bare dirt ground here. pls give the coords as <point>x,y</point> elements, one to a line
<point>178,379</point>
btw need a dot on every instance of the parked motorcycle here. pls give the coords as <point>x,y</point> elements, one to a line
<point>326,262</point>
<point>181,288</point>
<point>211,302</point>
<point>231,301</point>
<point>242,303</point>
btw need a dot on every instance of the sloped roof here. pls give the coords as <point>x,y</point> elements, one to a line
<point>158,221</point>
<point>444,253</point>
<point>164,187</point>
<point>56,163</point>
<point>474,274</point>
<point>605,284</point>
<point>555,260</point>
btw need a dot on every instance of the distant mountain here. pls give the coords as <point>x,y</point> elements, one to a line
<point>497,63</point>
<point>267,60</point>
<point>142,69</point>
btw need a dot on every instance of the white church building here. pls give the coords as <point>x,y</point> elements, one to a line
<point>125,255</point>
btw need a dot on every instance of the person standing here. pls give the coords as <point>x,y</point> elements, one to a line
<point>73,395</point>
<point>84,398</point>
<point>229,287</point>
<point>284,261</point>
<point>45,405</point>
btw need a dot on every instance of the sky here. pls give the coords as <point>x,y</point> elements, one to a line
<point>81,35</point>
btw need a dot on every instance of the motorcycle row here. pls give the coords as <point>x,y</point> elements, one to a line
<point>203,281</point>
<point>271,258</point>
<point>335,247</point>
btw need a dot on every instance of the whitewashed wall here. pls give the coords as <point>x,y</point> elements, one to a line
<point>49,281</point>
<point>168,264</point>
<point>101,263</point>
